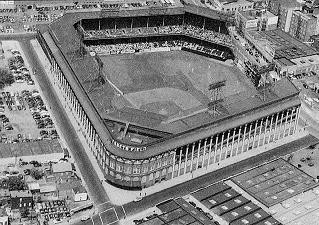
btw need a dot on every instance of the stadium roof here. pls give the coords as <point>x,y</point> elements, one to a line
<point>64,42</point>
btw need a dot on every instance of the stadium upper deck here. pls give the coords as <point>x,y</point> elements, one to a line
<point>249,119</point>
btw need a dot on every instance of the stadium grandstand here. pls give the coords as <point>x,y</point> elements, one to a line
<point>151,103</point>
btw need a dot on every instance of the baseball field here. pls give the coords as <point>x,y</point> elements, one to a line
<point>169,83</point>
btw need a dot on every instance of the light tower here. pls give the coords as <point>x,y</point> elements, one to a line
<point>216,95</point>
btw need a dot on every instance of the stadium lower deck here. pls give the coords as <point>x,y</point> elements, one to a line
<point>246,124</point>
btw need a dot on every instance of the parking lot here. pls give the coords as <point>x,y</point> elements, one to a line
<point>23,113</point>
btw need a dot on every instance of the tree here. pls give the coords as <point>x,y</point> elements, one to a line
<point>36,174</point>
<point>15,183</point>
<point>6,78</point>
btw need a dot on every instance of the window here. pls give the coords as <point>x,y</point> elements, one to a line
<point>248,208</point>
<point>245,221</point>
<point>237,201</point>
<point>257,215</point>
<point>227,195</point>
<point>136,170</point>
<point>234,214</point>
<point>119,168</point>
<point>212,201</point>
<point>224,207</point>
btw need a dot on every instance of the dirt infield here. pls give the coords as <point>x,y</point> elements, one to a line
<point>169,83</point>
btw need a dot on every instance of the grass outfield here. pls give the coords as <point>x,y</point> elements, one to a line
<point>168,83</point>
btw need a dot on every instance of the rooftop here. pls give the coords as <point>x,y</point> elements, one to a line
<point>179,211</point>
<point>61,167</point>
<point>274,182</point>
<point>231,206</point>
<point>285,46</point>
<point>79,189</point>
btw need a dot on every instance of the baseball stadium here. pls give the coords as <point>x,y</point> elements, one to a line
<point>155,93</point>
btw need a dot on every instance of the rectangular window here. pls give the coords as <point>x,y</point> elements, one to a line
<point>136,170</point>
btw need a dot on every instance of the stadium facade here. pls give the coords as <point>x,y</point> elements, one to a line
<point>222,141</point>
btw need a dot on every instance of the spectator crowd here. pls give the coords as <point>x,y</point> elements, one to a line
<point>156,46</point>
<point>200,33</point>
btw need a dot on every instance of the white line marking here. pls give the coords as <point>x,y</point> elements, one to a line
<point>123,211</point>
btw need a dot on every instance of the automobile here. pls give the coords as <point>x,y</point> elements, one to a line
<point>27,171</point>
<point>305,85</point>
<point>311,164</point>
<point>138,198</point>
<point>313,73</point>
<point>85,218</point>
<point>9,128</point>
<point>30,82</point>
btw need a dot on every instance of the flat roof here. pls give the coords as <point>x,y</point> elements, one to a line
<point>210,191</point>
<point>240,212</point>
<point>300,209</point>
<point>30,148</point>
<point>252,106</point>
<point>229,205</point>
<point>220,198</point>
<point>274,182</point>
<point>252,218</point>
<point>179,211</point>
<point>284,44</point>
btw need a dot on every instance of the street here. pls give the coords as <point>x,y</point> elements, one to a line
<point>92,181</point>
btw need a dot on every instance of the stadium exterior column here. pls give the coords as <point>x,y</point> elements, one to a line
<point>250,126</point>
<point>276,124</point>
<point>232,143</point>
<point>285,124</point>
<point>238,140</point>
<point>227,143</point>
<point>198,150</point>
<point>280,126</point>
<point>290,130</point>
<point>204,153</point>
<point>193,148</point>
<point>296,119</point>
<point>260,129</point>
<point>254,139</point>
<point>265,132</point>
<point>243,142</point>
<point>185,166</point>
<point>215,153</point>
<point>210,150</point>
<point>293,111</point>
<point>221,147</point>
<point>270,130</point>
<point>174,158</point>
<point>180,161</point>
